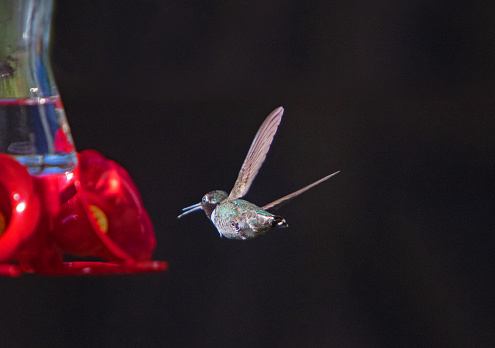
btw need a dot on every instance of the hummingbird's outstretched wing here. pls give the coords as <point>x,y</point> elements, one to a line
<point>257,154</point>
<point>279,202</point>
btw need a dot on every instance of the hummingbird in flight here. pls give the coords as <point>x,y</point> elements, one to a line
<point>236,218</point>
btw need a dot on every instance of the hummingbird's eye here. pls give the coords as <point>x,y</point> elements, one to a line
<point>204,199</point>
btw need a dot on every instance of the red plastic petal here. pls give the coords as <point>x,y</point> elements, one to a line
<point>19,206</point>
<point>106,218</point>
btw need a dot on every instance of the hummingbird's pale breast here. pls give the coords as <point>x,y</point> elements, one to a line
<point>240,219</point>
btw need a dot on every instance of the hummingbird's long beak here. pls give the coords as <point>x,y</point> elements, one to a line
<point>190,209</point>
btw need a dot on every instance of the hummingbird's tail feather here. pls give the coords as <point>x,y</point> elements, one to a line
<point>279,202</point>
<point>279,222</point>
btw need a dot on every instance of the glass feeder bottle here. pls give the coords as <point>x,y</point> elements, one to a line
<point>33,126</point>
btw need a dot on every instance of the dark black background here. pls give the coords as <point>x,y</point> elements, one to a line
<point>397,250</point>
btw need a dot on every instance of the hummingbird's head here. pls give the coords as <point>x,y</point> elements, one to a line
<point>210,201</point>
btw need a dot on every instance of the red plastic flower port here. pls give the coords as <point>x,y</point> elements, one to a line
<point>19,213</point>
<point>95,211</point>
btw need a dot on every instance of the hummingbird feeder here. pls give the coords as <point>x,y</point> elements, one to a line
<point>55,201</point>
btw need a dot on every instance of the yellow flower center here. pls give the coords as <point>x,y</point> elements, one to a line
<point>3,225</point>
<point>100,217</point>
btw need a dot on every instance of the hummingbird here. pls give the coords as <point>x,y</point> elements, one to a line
<point>236,218</point>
